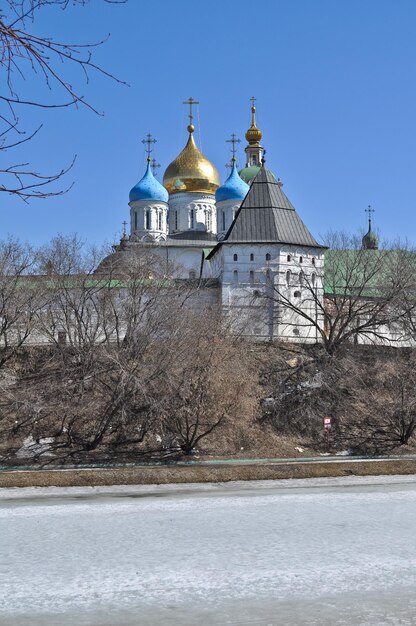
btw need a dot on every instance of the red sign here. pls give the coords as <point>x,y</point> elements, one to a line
<point>327,422</point>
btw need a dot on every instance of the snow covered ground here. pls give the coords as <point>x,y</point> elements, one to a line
<point>321,552</point>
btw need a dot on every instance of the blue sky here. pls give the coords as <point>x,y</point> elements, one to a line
<point>336,97</point>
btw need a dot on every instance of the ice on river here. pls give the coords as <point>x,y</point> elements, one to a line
<point>321,552</point>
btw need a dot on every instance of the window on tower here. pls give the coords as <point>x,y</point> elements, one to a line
<point>159,217</point>
<point>254,160</point>
<point>192,219</point>
<point>251,257</point>
<point>135,220</point>
<point>268,257</point>
<point>235,257</point>
<point>176,219</point>
<point>223,220</point>
<point>147,222</point>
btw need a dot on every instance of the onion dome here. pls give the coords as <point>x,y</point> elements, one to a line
<point>254,134</point>
<point>148,188</point>
<point>370,240</point>
<point>248,173</point>
<point>234,187</point>
<point>191,170</point>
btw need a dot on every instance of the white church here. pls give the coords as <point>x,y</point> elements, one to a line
<point>243,236</point>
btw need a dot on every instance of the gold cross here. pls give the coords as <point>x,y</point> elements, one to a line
<point>253,101</point>
<point>191,102</point>
<point>149,140</point>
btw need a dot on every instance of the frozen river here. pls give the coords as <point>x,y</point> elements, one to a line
<point>321,552</point>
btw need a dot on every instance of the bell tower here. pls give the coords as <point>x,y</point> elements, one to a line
<point>254,151</point>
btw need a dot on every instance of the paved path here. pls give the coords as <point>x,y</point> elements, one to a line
<point>318,552</point>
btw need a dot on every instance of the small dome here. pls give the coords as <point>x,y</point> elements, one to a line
<point>254,134</point>
<point>370,240</point>
<point>148,188</point>
<point>234,187</point>
<point>248,173</point>
<point>191,171</point>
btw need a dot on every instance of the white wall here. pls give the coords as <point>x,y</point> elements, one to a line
<point>255,296</point>
<point>158,226</point>
<point>204,212</point>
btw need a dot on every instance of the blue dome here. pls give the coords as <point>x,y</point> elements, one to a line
<point>148,188</point>
<point>234,188</point>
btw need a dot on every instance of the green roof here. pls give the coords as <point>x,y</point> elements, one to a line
<point>364,273</point>
<point>248,173</point>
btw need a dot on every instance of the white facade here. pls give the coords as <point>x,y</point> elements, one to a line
<point>192,211</point>
<point>226,212</point>
<point>259,281</point>
<point>148,220</point>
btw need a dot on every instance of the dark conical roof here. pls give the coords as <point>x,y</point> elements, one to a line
<point>267,216</point>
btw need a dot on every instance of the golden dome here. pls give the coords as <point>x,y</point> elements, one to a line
<point>254,134</point>
<point>191,170</point>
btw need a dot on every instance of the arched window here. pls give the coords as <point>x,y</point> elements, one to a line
<point>235,277</point>
<point>301,278</point>
<point>288,278</point>
<point>235,257</point>
<point>135,220</point>
<point>208,219</point>
<point>147,223</point>
<point>289,258</point>
<point>176,219</point>
<point>297,294</point>
<point>313,279</point>
<point>159,220</point>
<point>192,219</point>
<point>313,260</point>
<point>301,259</point>
<point>251,278</point>
<point>268,257</point>
<point>251,257</point>
<point>268,277</point>
<point>223,220</point>
<point>254,160</point>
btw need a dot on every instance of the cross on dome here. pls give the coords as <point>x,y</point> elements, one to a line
<point>234,140</point>
<point>155,166</point>
<point>369,210</point>
<point>149,140</point>
<point>190,102</point>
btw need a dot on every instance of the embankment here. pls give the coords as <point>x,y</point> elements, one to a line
<point>158,475</point>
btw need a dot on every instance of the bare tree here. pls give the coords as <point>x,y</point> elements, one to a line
<point>382,407</point>
<point>359,296</point>
<point>24,54</point>
<point>20,297</point>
